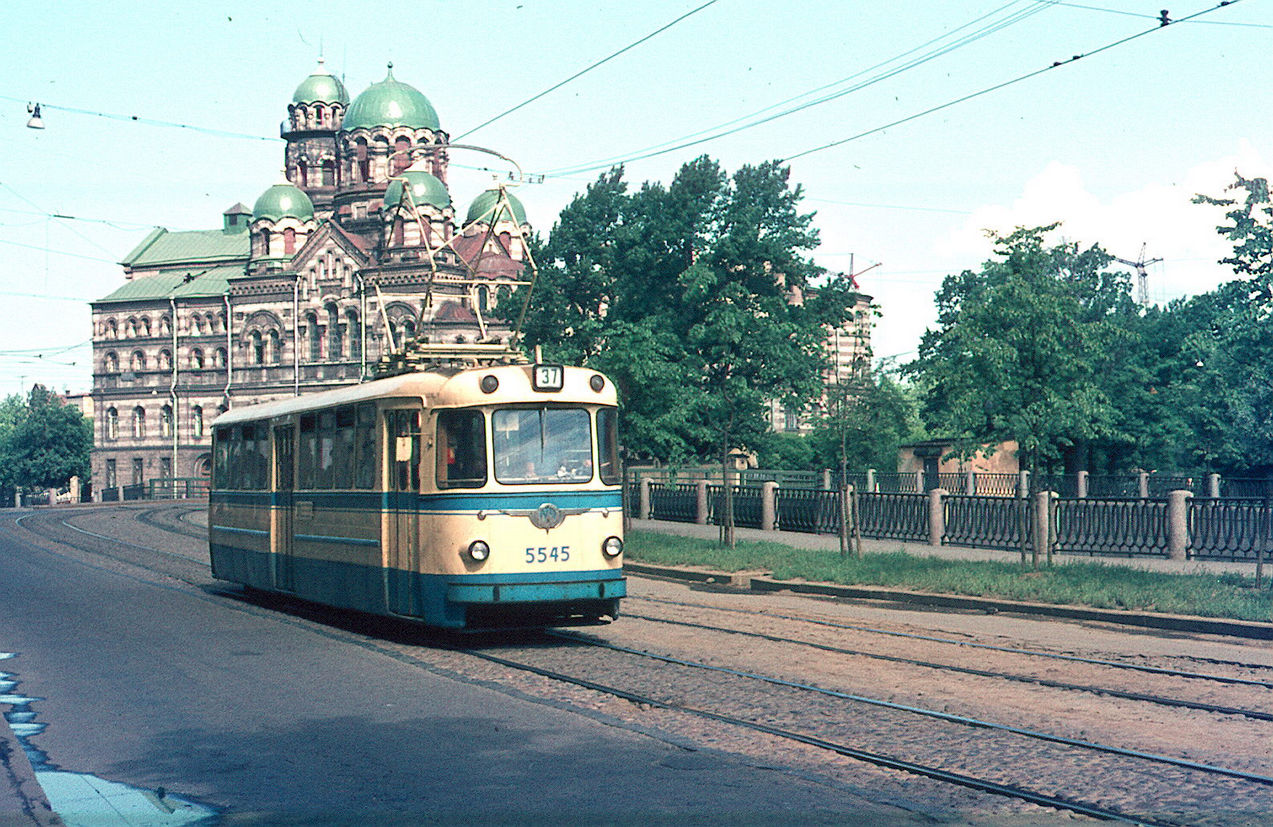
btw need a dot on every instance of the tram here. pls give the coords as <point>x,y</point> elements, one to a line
<point>461,495</point>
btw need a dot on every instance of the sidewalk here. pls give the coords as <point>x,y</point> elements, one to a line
<point>830,542</point>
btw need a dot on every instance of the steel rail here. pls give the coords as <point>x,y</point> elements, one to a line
<point>1153,670</point>
<point>968,781</point>
<point>1182,763</point>
<point>983,673</point>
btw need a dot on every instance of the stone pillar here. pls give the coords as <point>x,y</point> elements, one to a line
<point>1142,484</point>
<point>17,498</point>
<point>769,506</point>
<point>826,479</point>
<point>872,484</point>
<point>1080,485</point>
<point>1178,525</point>
<point>1213,486</point>
<point>644,510</point>
<point>1023,484</point>
<point>970,482</point>
<point>77,490</point>
<point>1042,525</point>
<point>52,496</point>
<point>919,481</point>
<point>936,516</point>
<point>700,502</point>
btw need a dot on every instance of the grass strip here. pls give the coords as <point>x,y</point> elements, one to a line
<point>1076,583</point>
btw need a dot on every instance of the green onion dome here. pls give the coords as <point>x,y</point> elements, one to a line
<point>425,188</point>
<point>283,200</point>
<point>484,208</point>
<point>321,87</point>
<point>390,103</point>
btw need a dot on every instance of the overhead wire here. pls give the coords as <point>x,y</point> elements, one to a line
<point>723,129</point>
<point>44,105</point>
<point>996,87</point>
<point>586,70</point>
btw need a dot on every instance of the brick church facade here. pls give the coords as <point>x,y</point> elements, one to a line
<point>355,253</point>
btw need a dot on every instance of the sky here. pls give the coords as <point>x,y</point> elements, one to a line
<point>928,123</point>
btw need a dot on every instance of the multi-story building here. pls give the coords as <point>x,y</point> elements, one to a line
<point>354,253</point>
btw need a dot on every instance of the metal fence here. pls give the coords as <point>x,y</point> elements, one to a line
<point>987,522</point>
<point>1228,529</point>
<point>893,516</point>
<point>676,502</point>
<point>1124,527</point>
<point>747,505</point>
<point>813,512</point>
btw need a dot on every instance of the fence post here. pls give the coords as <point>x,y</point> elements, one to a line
<point>1080,485</point>
<point>826,479</point>
<point>1023,484</point>
<point>919,482</point>
<point>1042,526</point>
<point>769,506</point>
<point>644,510</point>
<point>970,482</point>
<point>936,516</point>
<point>1178,524</point>
<point>872,484</point>
<point>700,502</point>
<point>1142,484</point>
<point>1213,486</point>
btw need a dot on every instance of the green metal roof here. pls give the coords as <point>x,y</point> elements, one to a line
<point>484,209</point>
<point>425,189</point>
<point>190,282</point>
<point>390,103</point>
<point>282,200</point>
<point>321,87</point>
<point>162,247</point>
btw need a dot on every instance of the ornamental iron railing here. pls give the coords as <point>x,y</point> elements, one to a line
<point>1124,527</point>
<point>987,522</point>
<point>1228,529</point>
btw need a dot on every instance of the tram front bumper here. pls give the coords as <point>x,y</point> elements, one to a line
<point>536,592</point>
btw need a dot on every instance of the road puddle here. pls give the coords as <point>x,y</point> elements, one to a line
<point>82,799</point>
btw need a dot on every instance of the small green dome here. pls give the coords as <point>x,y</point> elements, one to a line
<point>321,87</point>
<point>283,200</point>
<point>425,189</point>
<point>484,207</point>
<point>390,103</point>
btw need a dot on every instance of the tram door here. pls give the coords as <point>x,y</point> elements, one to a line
<point>403,554</point>
<point>284,479</point>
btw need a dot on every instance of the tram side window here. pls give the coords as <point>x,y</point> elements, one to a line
<point>608,445</point>
<point>307,463</point>
<point>221,440</point>
<point>364,457</point>
<point>342,475</point>
<point>253,465</point>
<point>461,449</point>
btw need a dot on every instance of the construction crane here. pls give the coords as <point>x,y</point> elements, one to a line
<point>1142,277</point>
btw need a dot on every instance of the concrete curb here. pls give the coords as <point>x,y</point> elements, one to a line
<point>26,803</point>
<point>1150,620</point>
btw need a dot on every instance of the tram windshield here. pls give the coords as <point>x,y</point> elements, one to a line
<point>542,445</point>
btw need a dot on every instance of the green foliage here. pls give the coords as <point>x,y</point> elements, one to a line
<point>1071,583</point>
<point>43,442</point>
<point>1028,349</point>
<point>865,424</point>
<point>684,296</point>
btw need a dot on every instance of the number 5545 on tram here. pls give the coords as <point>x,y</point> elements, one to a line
<point>466,498</point>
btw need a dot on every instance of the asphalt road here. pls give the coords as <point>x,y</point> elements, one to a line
<point>271,717</point>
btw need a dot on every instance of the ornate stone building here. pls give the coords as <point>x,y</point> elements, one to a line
<point>356,251</point>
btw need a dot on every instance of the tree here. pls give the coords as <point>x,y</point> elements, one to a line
<point>45,443</point>
<point>865,423</point>
<point>1027,349</point>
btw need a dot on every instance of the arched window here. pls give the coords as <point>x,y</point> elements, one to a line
<point>408,330</point>
<point>137,362</point>
<point>165,326</point>
<point>112,329</point>
<point>218,357</point>
<point>110,364</point>
<point>165,360</point>
<point>289,241</point>
<point>401,154</point>
<point>196,324</point>
<point>354,328</point>
<point>335,343</point>
<point>139,422</point>
<point>165,420</point>
<point>221,323</point>
<point>362,164</point>
<point>329,173</point>
<point>196,421</point>
<point>302,174</point>
<point>196,359</point>
<point>130,328</point>
<point>276,347</point>
<point>320,116</point>
<point>112,423</point>
<point>257,346</point>
<point>483,298</point>
<point>145,327</point>
<point>315,338</point>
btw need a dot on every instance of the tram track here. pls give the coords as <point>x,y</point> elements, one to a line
<point>611,680</point>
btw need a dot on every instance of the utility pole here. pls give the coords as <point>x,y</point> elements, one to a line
<point>1142,277</point>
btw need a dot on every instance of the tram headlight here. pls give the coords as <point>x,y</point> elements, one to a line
<point>612,547</point>
<point>596,382</point>
<point>489,383</point>
<point>479,550</point>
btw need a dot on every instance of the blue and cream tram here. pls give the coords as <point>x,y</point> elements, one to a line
<point>463,498</point>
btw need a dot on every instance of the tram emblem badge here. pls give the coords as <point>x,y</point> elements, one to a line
<point>547,516</point>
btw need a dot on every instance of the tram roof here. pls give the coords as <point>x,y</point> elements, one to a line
<point>407,384</point>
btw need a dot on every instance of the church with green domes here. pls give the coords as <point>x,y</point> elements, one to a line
<point>354,253</point>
